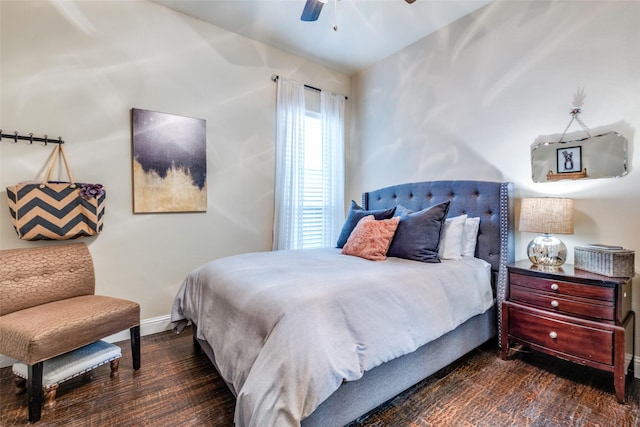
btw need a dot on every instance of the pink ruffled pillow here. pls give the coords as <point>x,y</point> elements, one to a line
<point>371,238</point>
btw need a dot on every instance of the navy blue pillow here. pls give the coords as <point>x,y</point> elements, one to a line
<point>356,213</point>
<point>418,234</point>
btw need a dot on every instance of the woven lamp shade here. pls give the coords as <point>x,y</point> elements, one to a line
<point>552,215</point>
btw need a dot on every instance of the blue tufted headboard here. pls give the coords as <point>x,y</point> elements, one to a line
<point>491,201</point>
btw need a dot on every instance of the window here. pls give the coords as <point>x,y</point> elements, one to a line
<point>309,208</point>
<point>313,198</point>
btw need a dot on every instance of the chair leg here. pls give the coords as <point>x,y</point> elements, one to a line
<point>35,391</point>
<point>50,397</point>
<point>115,365</point>
<point>135,346</point>
<point>21,384</point>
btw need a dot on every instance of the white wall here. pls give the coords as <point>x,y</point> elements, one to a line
<point>468,101</point>
<point>76,68</point>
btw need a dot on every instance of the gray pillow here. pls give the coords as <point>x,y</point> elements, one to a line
<point>356,213</point>
<point>418,234</point>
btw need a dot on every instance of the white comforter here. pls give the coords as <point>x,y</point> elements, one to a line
<point>287,327</point>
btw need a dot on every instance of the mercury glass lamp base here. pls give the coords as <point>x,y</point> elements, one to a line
<point>547,251</point>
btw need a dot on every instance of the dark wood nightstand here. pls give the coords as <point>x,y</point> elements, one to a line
<point>571,314</point>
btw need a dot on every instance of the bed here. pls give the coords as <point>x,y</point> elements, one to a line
<point>294,356</point>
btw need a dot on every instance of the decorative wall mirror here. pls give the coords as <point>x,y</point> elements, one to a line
<point>599,156</point>
<point>579,155</point>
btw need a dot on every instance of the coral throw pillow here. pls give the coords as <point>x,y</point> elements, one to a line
<point>371,238</point>
<point>356,213</point>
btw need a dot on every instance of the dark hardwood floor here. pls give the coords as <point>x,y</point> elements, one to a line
<point>176,387</point>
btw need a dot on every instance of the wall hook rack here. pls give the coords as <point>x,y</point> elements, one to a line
<point>16,137</point>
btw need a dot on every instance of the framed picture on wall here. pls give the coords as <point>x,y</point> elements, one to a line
<point>169,162</point>
<point>569,159</point>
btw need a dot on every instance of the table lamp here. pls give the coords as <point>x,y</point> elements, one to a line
<point>547,215</point>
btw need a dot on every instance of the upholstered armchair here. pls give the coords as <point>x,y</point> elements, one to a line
<point>48,307</point>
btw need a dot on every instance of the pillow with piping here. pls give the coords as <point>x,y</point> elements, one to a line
<point>418,234</point>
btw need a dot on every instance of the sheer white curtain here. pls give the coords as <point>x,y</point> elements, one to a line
<point>290,132</point>
<point>291,114</point>
<point>332,122</point>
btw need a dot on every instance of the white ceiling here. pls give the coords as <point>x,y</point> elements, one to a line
<point>368,30</point>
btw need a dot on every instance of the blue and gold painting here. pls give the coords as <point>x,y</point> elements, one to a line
<point>169,162</point>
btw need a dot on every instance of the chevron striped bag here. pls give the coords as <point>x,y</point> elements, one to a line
<point>54,210</point>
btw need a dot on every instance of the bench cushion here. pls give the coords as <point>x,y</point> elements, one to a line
<point>38,333</point>
<point>72,364</point>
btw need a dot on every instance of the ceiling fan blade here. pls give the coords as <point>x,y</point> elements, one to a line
<point>410,1</point>
<point>312,9</point>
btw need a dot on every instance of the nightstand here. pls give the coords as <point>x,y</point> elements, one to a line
<point>571,314</point>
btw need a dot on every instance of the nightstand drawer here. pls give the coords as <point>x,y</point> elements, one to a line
<point>563,288</point>
<point>592,308</point>
<point>558,334</point>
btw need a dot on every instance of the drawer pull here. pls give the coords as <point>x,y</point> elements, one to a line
<point>554,304</point>
<point>554,286</point>
<point>553,335</point>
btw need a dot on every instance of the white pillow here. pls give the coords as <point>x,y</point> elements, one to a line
<point>451,240</point>
<point>470,236</point>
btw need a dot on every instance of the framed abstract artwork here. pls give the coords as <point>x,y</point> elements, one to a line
<point>169,162</point>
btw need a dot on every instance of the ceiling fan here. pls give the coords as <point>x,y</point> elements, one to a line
<point>312,9</point>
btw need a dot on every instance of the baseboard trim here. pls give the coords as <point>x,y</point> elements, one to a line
<point>158,324</point>
<point>147,327</point>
